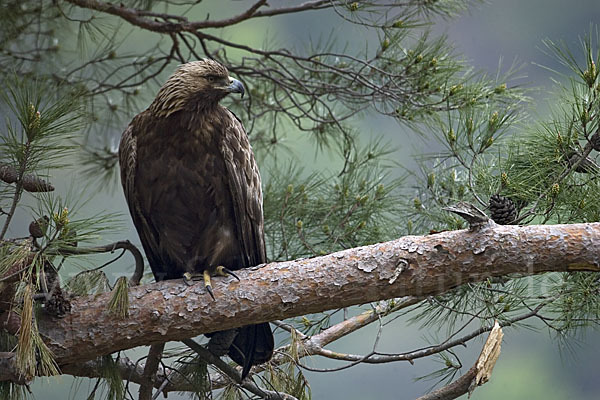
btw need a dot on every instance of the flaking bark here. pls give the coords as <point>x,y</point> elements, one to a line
<point>412,265</point>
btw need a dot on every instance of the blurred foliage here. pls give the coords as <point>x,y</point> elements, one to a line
<point>318,213</point>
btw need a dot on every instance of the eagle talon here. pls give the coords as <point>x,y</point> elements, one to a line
<point>188,279</point>
<point>223,271</point>
<point>207,284</point>
<point>209,290</point>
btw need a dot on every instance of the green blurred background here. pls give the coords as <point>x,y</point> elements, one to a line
<point>532,364</point>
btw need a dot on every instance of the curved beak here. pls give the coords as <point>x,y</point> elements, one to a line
<point>235,86</point>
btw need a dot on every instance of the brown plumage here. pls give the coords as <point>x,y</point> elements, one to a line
<point>193,187</point>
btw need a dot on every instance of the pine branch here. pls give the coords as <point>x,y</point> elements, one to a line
<point>409,266</point>
<point>571,167</point>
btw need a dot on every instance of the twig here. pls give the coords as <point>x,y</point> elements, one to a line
<point>161,388</point>
<point>138,17</point>
<point>18,189</point>
<point>123,244</point>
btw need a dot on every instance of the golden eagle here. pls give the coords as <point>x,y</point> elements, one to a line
<point>193,189</point>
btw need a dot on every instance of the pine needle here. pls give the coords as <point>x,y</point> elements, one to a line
<point>112,379</point>
<point>288,378</point>
<point>46,364</point>
<point>33,356</point>
<point>26,360</point>
<point>195,371</point>
<point>119,302</point>
<point>88,282</point>
<point>12,391</point>
<point>231,392</point>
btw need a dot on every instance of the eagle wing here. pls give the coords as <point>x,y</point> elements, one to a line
<point>254,343</point>
<point>246,193</point>
<point>128,162</point>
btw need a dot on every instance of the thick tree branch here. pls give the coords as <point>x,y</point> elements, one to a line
<point>8,371</point>
<point>409,266</point>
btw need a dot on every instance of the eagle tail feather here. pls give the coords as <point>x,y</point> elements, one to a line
<point>252,346</point>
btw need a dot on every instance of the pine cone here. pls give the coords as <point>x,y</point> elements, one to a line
<point>502,209</point>
<point>58,304</point>
<point>38,228</point>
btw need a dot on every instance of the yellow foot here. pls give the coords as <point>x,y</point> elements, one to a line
<point>207,284</point>
<point>222,271</point>
<point>190,277</point>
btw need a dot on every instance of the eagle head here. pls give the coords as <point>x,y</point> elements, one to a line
<point>195,85</point>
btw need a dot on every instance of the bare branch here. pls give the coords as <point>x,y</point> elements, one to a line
<point>109,248</point>
<point>352,324</point>
<point>309,5</point>
<point>150,369</point>
<point>373,358</point>
<point>140,17</point>
<point>477,375</point>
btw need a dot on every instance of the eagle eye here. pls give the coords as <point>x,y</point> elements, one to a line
<point>210,78</point>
